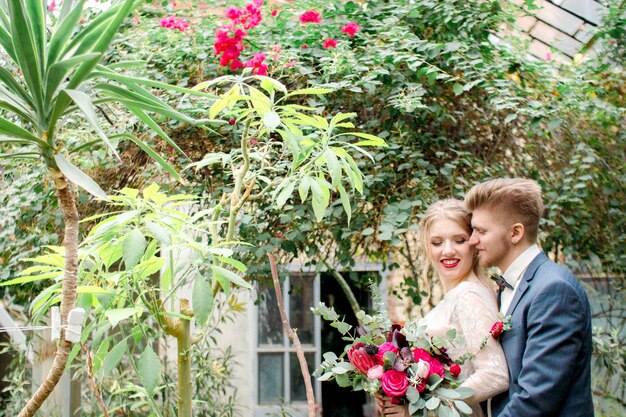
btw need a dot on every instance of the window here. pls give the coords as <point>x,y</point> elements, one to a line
<point>279,379</point>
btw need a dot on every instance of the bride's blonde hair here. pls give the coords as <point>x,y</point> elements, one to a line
<point>454,210</point>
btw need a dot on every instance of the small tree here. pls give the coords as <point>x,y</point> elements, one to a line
<point>54,70</point>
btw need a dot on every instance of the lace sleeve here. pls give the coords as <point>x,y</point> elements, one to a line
<point>473,315</point>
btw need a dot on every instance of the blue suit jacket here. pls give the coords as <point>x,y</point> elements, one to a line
<point>548,349</point>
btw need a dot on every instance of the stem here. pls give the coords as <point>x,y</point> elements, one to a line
<point>293,336</point>
<point>92,381</point>
<point>184,363</point>
<point>354,304</point>
<point>68,292</point>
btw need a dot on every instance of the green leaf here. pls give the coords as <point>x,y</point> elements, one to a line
<point>345,201</point>
<point>134,248</point>
<point>230,276</point>
<point>84,103</point>
<point>433,403</point>
<point>463,407</point>
<point>79,178</point>
<point>371,139</point>
<point>159,233</point>
<point>202,299</point>
<point>342,327</point>
<point>117,315</point>
<point>445,411</point>
<point>224,101</point>
<point>114,357</point>
<point>153,154</point>
<point>284,194</point>
<point>149,267</point>
<point>412,394</point>
<point>457,88</point>
<point>63,32</point>
<point>26,49</point>
<point>31,278</point>
<point>13,130</point>
<point>310,91</point>
<point>149,369</point>
<point>57,73</point>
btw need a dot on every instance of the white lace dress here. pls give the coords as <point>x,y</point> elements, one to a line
<point>471,309</point>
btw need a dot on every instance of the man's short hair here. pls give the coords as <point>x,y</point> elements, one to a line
<point>518,197</point>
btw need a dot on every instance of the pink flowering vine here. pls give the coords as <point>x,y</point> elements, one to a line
<point>229,43</point>
<point>257,63</point>
<point>173,23</point>
<point>229,38</point>
<point>351,28</point>
<point>329,43</point>
<point>310,17</point>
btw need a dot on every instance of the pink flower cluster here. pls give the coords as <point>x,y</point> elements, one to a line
<point>229,43</point>
<point>174,23</point>
<point>310,17</point>
<point>257,63</point>
<point>229,38</point>
<point>369,360</point>
<point>351,28</point>
<point>249,17</point>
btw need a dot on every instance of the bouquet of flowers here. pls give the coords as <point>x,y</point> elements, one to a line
<point>400,362</point>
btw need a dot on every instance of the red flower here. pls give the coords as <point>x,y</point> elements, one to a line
<point>436,368</point>
<point>394,383</point>
<point>229,43</point>
<point>351,28</point>
<point>497,329</point>
<point>421,354</point>
<point>231,121</point>
<point>310,17</point>
<point>290,64</point>
<point>455,370</point>
<point>329,43</point>
<point>51,6</point>
<point>257,64</point>
<point>361,360</point>
<point>304,46</point>
<point>274,12</point>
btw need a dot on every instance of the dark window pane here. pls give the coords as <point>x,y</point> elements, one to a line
<point>270,324</point>
<point>301,300</point>
<point>298,389</point>
<point>270,378</point>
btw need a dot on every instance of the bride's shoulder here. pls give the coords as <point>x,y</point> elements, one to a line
<point>471,290</point>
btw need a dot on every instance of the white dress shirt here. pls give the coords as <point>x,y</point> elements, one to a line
<point>514,273</point>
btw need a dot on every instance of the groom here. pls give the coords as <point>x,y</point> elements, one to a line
<point>548,349</point>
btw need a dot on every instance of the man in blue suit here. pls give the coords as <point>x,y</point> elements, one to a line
<point>548,348</point>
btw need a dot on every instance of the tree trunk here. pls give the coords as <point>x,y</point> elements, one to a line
<point>68,293</point>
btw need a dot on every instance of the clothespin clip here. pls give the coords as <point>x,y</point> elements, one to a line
<point>55,323</point>
<point>75,325</point>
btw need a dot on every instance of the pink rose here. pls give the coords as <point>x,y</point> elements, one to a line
<point>329,43</point>
<point>387,347</point>
<point>436,367</point>
<point>394,383</point>
<point>361,360</point>
<point>351,28</point>
<point>376,372</point>
<point>421,354</point>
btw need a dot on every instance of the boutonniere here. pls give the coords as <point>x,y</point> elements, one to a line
<point>500,326</point>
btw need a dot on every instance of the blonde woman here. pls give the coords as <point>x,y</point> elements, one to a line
<point>469,304</point>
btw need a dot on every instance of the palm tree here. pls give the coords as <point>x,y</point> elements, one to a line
<point>50,73</point>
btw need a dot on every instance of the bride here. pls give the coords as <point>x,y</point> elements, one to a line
<point>469,304</point>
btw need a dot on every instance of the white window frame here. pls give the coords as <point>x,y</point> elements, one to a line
<point>299,408</point>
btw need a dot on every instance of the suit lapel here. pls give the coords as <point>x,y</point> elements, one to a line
<point>525,282</point>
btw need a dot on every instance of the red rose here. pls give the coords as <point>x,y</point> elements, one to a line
<point>351,28</point>
<point>394,383</point>
<point>455,370</point>
<point>361,360</point>
<point>310,17</point>
<point>421,354</point>
<point>496,329</point>
<point>436,368</point>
